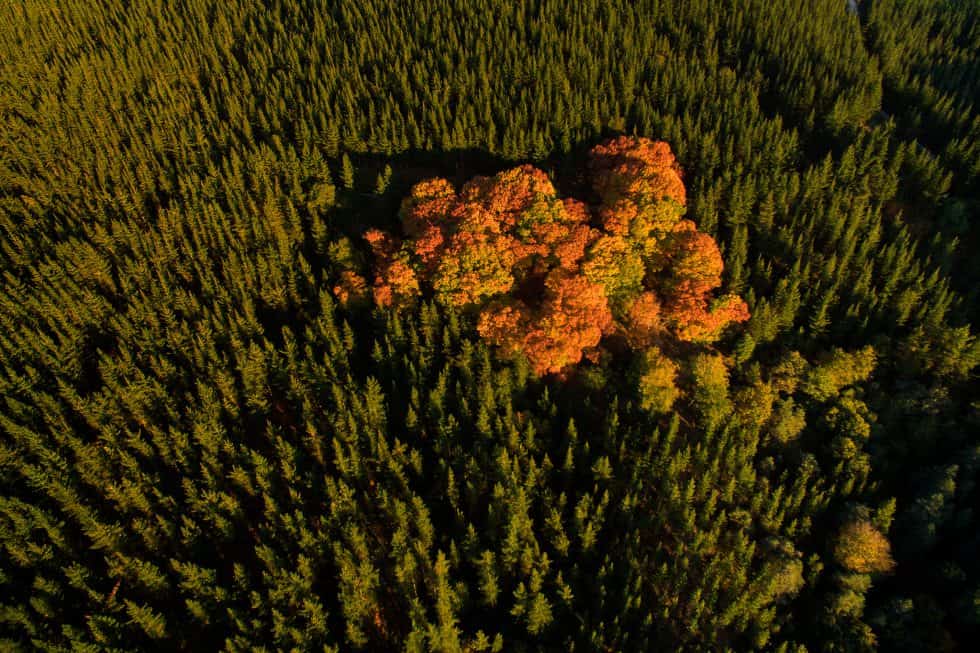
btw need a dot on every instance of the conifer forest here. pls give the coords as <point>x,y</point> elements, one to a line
<point>490,326</point>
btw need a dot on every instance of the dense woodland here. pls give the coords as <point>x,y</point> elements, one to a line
<point>212,439</point>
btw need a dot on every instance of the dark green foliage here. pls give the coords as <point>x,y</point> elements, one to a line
<point>201,449</point>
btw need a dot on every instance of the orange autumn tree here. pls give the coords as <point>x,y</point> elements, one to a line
<point>642,202</point>
<point>550,277</point>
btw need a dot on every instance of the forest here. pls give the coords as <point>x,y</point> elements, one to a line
<point>485,325</point>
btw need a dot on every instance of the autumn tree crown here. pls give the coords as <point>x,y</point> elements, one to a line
<point>549,277</point>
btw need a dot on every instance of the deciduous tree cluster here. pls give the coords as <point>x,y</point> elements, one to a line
<point>550,276</point>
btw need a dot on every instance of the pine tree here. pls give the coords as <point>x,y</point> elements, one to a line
<point>346,172</point>
<point>384,178</point>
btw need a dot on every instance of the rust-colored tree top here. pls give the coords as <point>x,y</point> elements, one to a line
<point>550,277</point>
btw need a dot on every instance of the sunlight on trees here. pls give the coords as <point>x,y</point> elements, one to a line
<point>550,277</point>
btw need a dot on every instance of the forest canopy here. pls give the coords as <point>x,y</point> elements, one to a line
<point>376,325</point>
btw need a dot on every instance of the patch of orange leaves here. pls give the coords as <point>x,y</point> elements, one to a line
<point>508,247</point>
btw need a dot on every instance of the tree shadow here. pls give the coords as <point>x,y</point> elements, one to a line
<point>361,208</point>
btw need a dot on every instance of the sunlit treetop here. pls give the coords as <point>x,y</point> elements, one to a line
<point>549,277</point>
<point>639,169</point>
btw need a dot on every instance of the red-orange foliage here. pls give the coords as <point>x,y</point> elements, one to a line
<point>637,168</point>
<point>644,320</point>
<point>352,288</point>
<point>702,320</point>
<point>693,266</point>
<point>509,193</point>
<point>395,281</point>
<point>569,322</point>
<point>550,277</point>
<point>573,318</point>
<point>429,202</point>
